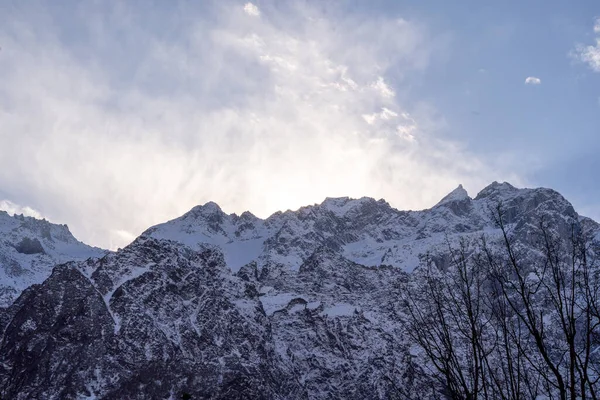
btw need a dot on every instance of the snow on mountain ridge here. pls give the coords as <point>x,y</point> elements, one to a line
<point>498,189</point>
<point>340,206</point>
<point>29,248</point>
<point>365,230</point>
<point>457,194</point>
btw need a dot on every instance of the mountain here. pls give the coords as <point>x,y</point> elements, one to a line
<point>29,248</point>
<point>365,231</point>
<point>305,304</point>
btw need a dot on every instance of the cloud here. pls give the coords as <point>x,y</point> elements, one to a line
<point>120,237</point>
<point>251,9</point>
<point>16,209</point>
<point>383,88</point>
<point>385,114</point>
<point>590,54</point>
<point>532,80</point>
<point>114,120</point>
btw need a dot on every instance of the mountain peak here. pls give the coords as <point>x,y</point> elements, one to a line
<point>35,226</point>
<point>29,248</point>
<point>247,215</point>
<point>496,188</point>
<point>341,205</point>
<point>208,208</point>
<point>335,201</point>
<point>457,194</point>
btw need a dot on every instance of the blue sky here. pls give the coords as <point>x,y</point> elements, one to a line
<point>118,115</point>
<point>553,128</point>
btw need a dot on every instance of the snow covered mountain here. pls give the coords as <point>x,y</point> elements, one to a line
<point>305,304</point>
<point>364,231</point>
<point>30,248</point>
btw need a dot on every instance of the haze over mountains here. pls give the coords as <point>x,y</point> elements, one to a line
<point>302,304</point>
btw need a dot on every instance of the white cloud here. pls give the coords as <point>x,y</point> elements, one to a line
<point>118,237</point>
<point>251,9</point>
<point>383,88</point>
<point>16,209</point>
<point>255,114</point>
<point>590,54</point>
<point>385,114</point>
<point>532,80</point>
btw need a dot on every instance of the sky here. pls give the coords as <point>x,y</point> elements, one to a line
<point>118,115</point>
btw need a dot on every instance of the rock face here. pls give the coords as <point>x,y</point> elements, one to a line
<point>152,319</point>
<point>302,305</point>
<point>29,248</point>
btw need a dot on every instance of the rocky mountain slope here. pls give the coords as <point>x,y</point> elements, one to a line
<point>305,304</point>
<point>30,248</point>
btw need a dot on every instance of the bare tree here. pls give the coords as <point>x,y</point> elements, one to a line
<point>448,319</point>
<point>554,294</point>
<point>513,320</point>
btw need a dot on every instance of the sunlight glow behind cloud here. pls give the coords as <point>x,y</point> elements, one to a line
<point>251,9</point>
<point>258,114</point>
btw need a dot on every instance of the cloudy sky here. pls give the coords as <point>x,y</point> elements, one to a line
<point>115,116</point>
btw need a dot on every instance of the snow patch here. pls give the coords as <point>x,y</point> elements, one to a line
<point>457,194</point>
<point>134,273</point>
<point>238,254</point>
<point>277,302</point>
<point>340,310</point>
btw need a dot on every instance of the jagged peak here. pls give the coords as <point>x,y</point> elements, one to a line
<point>345,199</point>
<point>43,227</point>
<point>458,194</point>
<point>496,188</point>
<point>248,215</point>
<point>208,208</point>
<point>342,205</point>
<point>335,200</point>
<point>335,203</point>
<point>526,198</point>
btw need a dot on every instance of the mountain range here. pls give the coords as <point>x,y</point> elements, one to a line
<point>304,304</point>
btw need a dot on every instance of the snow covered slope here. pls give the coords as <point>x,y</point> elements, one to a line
<point>29,248</point>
